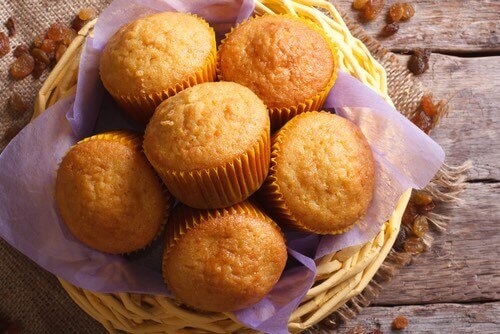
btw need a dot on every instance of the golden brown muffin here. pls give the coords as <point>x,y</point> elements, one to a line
<point>225,259</point>
<point>155,57</point>
<point>109,196</point>
<point>322,174</point>
<point>210,144</point>
<point>288,62</point>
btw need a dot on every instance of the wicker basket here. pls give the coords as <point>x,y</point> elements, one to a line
<point>340,276</point>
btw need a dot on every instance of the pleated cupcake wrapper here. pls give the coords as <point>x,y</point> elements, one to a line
<point>142,107</point>
<point>280,115</point>
<point>272,197</point>
<point>134,140</point>
<point>223,185</point>
<point>184,218</point>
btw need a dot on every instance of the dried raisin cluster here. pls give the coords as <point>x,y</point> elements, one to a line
<point>398,12</point>
<point>47,48</point>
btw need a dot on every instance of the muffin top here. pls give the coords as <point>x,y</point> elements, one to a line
<point>109,196</point>
<point>205,126</point>
<point>325,171</point>
<point>284,60</point>
<point>233,257</point>
<point>155,52</point>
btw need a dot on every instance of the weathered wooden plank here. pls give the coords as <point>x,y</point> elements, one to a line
<point>438,318</point>
<point>472,128</point>
<point>454,26</point>
<point>463,265</point>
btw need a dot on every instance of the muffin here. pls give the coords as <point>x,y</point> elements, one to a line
<point>109,196</point>
<point>288,62</point>
<point>222,260</point>
<point>321,178</point>
<point>210,144</point>
<point>155,57</point>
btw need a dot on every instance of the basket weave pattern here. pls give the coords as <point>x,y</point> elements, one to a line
<point>340,276</point>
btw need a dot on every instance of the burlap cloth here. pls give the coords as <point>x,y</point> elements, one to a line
<point>34,299</point>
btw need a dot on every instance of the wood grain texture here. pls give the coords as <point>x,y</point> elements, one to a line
<point>463,265</point>
<point>454,26</point>
<point>438,318</point>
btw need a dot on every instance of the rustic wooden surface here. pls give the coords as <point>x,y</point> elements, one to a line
<point>455,287</point>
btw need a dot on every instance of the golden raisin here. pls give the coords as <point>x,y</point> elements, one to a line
<point>49,47</point>
<point>400,323</point>
<point>22,67</point>
<point>420,198</point>
<point>69,36</point>
<point>408,11</point>
<point>56,31</point>
<point>359,4</point>
<point>20,49</point>
<point>60,51</point>
<point>4,44</point>
<point>410,213</point>
<point>37,42</point>
<point>400,239</point>
<point>420,226</point>
<point>11,26</point>
<point>423,121</point>
<point>373,9</point>
<point>426,208</point>
<point>396,12</point>
<point>428,106</point>
<point>40,56</point>
<point>390,29</point>
<point>419,61</point>
<point>87,13</point>
<point>414,245</point>
<point>16,104</point>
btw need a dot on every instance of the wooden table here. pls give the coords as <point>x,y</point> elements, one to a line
<point>455,287</point>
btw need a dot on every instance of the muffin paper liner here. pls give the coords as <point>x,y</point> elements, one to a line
<point>134,140</point>
<point>280,115</point>
<point>272,198</point>
<point>142,107</point>
<point>405,157</point>
<point>224,185</point>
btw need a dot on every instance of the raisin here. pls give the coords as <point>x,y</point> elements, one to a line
<point>357,330</point>
<point>423,121</point>
<point>419,61</point>
<point>390,29</point>
<point>400,323</point>
<point>69,36</point>
<point>426,208</point>
<point>37,42</point>
<point>49,47</point>
<point>56,31</point>
<point>410,213</point>
<point>414,245</point>
<point>11,26</point>
<point>4,44</point>
<point>20,49</point>
<point>359,4</point>
<point>16,104</point>
<point>60,51</point>
<point>373,9</point>
<point>22,67</point>
<point>408,11</point>
<point>428,106</point>
<point>40,56</point>
<point>400,239</point>
<point>78,23</point>
<point>420,198</point>
<point>40,66</point>
<point>420,226</point>
<point>87,13</point>
<point>396,12</point>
